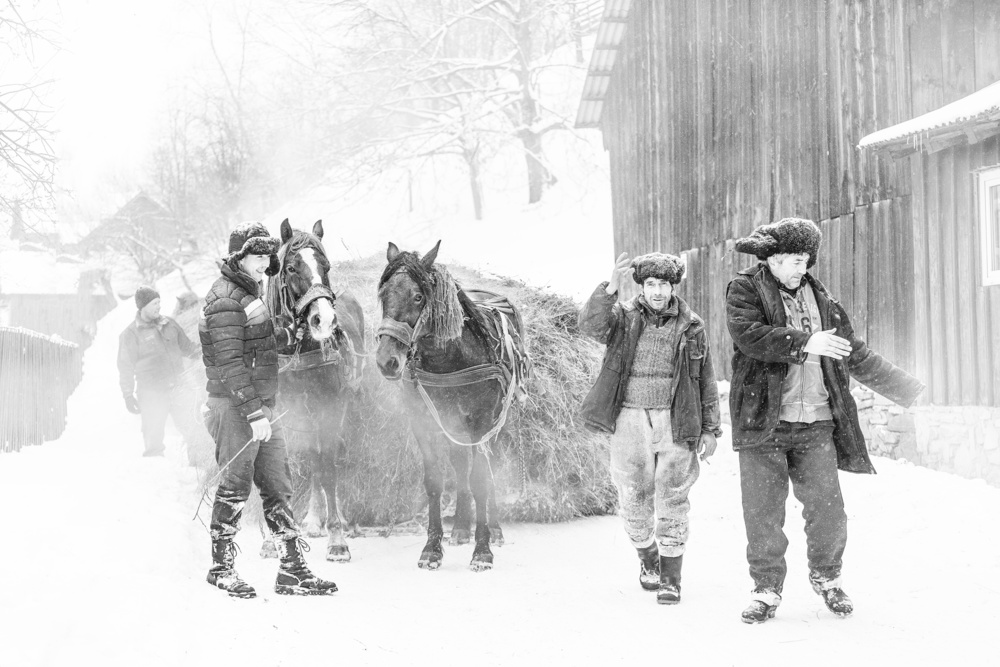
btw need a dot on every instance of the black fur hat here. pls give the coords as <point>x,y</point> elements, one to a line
<point>144,295</point>
<point>252,238</point>
<point>658,265</point>
<point>788,235</point>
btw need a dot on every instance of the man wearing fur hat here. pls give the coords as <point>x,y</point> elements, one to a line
<point>656,395</point>
<point>241,361</point>
<point>149,368</point>
<point>792,411</point>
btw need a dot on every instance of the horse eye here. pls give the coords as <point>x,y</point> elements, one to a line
<point>290,269</point>
<point>418,298</point>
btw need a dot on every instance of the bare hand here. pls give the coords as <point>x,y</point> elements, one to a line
<point>826,344</point>
<point>706,445</point>
<point>261,429</point>
<point>621,271</point>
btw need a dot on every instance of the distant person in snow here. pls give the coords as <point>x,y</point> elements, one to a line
<point>241,362</point>
<point>656,394</point>
<point>150,353</point>
<point>792,412</point>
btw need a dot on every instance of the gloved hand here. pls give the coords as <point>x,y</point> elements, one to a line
<point>261,429</point>
<point>131,404</point>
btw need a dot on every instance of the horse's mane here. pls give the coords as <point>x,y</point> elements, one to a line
<point>279,299</point>
<point>449,306</point>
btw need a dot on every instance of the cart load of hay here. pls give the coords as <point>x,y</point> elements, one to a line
<point>547,466</point>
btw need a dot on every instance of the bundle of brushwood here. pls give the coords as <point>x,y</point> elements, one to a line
<point>546,465</point>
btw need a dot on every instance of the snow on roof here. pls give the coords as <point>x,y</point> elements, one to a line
<point>38,272</point>
<point>981,107</point>
<point>602,62</point>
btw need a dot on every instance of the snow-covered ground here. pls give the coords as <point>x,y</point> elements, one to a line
<point>103,564</point>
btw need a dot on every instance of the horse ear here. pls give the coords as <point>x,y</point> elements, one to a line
<point>318,229</point>
<point>428,259</point>
<point>392,252</point>
<point>286,231</point>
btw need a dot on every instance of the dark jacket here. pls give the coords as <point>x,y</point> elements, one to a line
<point>149,354</point>
<point>763,346</point>
<point>695,405</point>
<point>238,344</point>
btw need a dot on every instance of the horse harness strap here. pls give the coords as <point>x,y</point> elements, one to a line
<point>314,293</point>
<point>509,379</point>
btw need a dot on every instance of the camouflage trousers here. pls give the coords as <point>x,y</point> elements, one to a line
<point>653,476</point>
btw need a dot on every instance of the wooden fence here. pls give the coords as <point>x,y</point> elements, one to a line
<point>37,375</point>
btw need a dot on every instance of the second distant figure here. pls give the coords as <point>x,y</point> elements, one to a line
<point>656,394</point>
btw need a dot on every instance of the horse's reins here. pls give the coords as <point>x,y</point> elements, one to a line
<point>408,336</point>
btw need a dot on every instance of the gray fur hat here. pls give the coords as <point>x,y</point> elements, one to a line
<point>788,235</point>
<point>658,265</point>
<point>252,238</point>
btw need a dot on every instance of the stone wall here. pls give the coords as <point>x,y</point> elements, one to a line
<point>964,440</point>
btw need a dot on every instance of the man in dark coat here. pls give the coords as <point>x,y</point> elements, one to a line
<point>793,416</point>
<point>150,352</point>
<point>241,362</point>
<point>656,395</point>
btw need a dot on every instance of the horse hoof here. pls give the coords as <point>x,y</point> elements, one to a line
<point>268,550</point>
<point>480,565</point>
<point>460,536</point>
<point>338,554</point>
<point>496,537</point>
<point>313,530</point>
<point>428,564</point>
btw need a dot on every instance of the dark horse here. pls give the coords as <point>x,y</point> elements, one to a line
<point>461,364</point>
<point>316,373</point>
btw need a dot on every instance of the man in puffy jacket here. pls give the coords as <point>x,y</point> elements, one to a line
<point>150,352</point>
<point>792,412</point>
<point>656,395</point>
<point>241,362</point>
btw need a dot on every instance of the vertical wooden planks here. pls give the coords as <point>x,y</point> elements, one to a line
<point>987,42</point>
<point>921,293</point>
<point>966,242</point>
<point>948,308</point>
<point>926,62</point>
<point>859,316</point>
<point>900,273</point>
<point>935,279</point>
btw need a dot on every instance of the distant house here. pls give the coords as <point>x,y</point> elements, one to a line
<point>142,225</point>
<point>880,121</point>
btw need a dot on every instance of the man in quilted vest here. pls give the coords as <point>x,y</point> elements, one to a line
<point>241,362</point>
<point>656,395</point>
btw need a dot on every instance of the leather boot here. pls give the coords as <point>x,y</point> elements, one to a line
<point>223,573</point>
<point>670,580</point>
<point>294,576</point>
<point>763,603</point>
<point>834,597</point>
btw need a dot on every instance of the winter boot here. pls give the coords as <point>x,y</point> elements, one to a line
<point>294,576</point>
<point>670,580</point>
<point>834,597</point>
<point>649,567</point>
<point>763,603</point>
<point>223,573</point>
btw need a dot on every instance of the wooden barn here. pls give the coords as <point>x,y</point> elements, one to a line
<point>876,119</point>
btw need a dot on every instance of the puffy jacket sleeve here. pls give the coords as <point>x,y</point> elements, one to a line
<point>225,322</point>
<point>873,370</point>
<point>751,332</point>
<point>128,351</point>
<point>711,419</point>
<point>597,317</point>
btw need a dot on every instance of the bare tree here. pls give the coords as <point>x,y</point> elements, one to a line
<point>27,161</point>
<point>453,77</point>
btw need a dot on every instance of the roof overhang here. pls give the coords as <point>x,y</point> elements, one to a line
<point>968,120</point>
<point>602,62</point>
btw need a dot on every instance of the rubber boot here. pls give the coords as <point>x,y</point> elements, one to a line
<point>649,567</point>
<point>670,580</point>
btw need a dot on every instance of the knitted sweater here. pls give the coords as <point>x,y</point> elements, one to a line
<point>649,385</point>
<point>804,397</point>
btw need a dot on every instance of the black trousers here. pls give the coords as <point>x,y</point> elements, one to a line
<point>245,462</point>
<point>805,455</point>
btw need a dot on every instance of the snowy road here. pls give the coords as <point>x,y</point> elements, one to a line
<point>103,565</point>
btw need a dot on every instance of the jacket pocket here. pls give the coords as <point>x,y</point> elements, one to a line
<point>696,356</point>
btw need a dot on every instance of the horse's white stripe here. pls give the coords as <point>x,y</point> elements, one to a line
<point>308,256</point>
